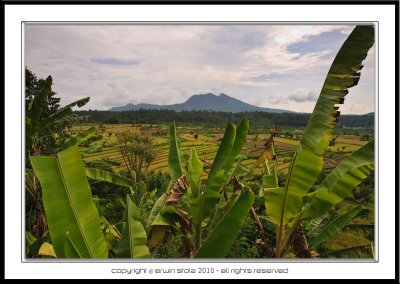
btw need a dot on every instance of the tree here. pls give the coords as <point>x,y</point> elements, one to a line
<point>301,199</point>
<point>137,151</point>
<point>45,122</point>
<point>33,86</point>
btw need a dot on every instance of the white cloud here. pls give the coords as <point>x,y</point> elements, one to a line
<point>167,64</point>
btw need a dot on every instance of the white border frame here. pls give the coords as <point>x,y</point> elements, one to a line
<point>384,14</point>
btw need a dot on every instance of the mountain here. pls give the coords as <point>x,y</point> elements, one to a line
<point>208,101</point>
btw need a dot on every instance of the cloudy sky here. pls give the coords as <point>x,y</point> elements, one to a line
<point>264,65</point>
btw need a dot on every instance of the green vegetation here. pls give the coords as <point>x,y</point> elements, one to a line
<point>300,200</point>
<point>218,119</point>
<point>149,188</point>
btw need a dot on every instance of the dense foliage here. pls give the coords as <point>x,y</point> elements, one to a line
<point>212,118</point>
<point>203,209</point>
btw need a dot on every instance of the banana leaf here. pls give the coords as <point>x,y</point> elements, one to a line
<point>339,183</point>
<point>156,232</point>
<point>62,114</point>
<point>216,175</point>
<point>174,155</point>
<point>308,160</point>
<point>134,238</point>
<point>274,203</point>
<point>101,175</point>
<point>228,151</point>
<point>34,112</point>
<point>91,149</point>
<point>70,249</point>
<point>155,211</point>
<point>361,251</point>
<point>359,228</point>
<point>78,139</point>
<point>336,225</point>
<point>78,103</point>
<point>194,176</point>
<point>240,139</point>
<point>221,239</point>
<point>68,204</point>
<point>168,216</point>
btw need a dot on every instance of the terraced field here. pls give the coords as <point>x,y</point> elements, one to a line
<point>206,145</point>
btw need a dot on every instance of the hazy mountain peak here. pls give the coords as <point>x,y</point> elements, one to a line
<point>208,101</point>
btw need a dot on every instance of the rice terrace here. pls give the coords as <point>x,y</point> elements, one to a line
<point>253,145</point>
<point>206,144</point>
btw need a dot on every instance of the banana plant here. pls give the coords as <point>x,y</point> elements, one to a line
<point>300,199</point>
<point>334,226</point>
<point>73,220</point>
<point>203,200</point>
<point>74,223</point>
<point>39,124</point>
<point>133,243</point>
<point>36,122</point>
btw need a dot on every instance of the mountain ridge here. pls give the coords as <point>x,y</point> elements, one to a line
<point>209,101</point>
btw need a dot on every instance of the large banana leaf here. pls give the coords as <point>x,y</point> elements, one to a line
<point>274,202</point>
<point>194,176</point>
<point>339,183</point>
<point>174,155</point>
<point>220,240</point>
<point>102,175</point>
<point>228,151</point>
<point>70,249</point>
<point>63,112</point>
<point>156,232</point>
<point>134,238</point>
<point>335,226</point>
<point>78,139</point>
<point>343,74</point>
<point>307,162</point>
<point>216,175</point>
<point>68,204</point>
<point>240,139</point>
<point>336,186</point>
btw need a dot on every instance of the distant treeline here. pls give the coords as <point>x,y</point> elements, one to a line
<point>212,118</point>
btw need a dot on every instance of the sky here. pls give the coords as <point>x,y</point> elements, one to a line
<point>274,66</point>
